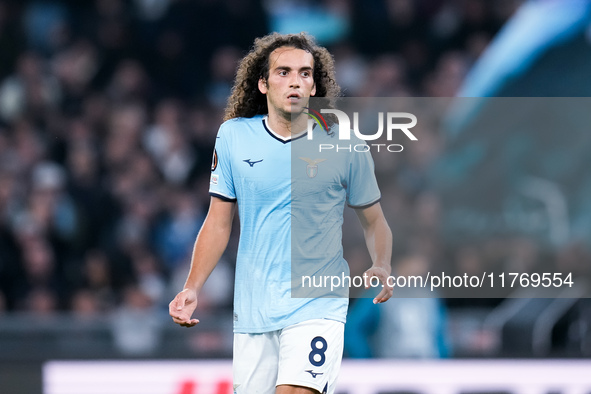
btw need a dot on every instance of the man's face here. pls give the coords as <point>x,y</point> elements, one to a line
<point>290,81</point>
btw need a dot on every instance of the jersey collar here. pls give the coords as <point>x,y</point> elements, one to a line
<point>283,140</point>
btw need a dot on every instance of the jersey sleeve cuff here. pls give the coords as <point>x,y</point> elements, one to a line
<point>363,206</point>
<point>222,197</point>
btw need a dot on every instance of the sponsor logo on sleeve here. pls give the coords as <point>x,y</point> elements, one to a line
<point>214,160</point>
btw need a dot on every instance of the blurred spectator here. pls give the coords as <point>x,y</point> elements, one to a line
<point>149,276</point>
<point>129,83</point>
<point>136,324</point>
<point>42,302</point>
<point>165,140</point>
<point>85,304</point>
<point>45,25</point>
<point>386,78</point>
<point>39,283</point>
<point>30,89</point>
<point>351,69</point>
<point>448,75</point>
<point>223,67</point>
<point>176,231</point>
<point>75,66</point>
<point>49,204</point>
<point>125,127</point>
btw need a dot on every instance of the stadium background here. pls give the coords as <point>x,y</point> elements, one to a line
<point>108,110</point>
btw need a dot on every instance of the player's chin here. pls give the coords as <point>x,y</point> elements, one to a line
<point>297,107</point>
<point>296,112</point>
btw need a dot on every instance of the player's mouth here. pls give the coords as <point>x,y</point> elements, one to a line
<point>294,97</point>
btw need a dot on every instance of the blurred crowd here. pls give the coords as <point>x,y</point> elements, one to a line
<point>108,112</point>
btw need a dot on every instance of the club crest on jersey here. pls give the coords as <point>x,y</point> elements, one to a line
<point>312,167</point>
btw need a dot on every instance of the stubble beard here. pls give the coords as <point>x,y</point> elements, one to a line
<point>298,119</point>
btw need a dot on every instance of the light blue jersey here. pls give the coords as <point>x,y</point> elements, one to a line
<point>290,196</point>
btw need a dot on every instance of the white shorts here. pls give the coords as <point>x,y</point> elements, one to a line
<point>306,354</point>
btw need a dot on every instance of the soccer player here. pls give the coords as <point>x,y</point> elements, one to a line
<point>283,344</point>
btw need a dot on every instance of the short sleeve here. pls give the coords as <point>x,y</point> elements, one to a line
<point>362,186</point>
<point>221,183</point>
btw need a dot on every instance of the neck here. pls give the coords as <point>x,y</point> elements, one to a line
<point>285,127</point>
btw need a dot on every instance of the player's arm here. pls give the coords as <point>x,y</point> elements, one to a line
<point>209,247</point>
<point>378,238</point>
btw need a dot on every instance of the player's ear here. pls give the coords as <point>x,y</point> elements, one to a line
<point>263,85</point>
<point>313,91</point>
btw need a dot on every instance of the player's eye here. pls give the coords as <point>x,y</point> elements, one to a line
<point>306,74</point>
<point>283,73</point>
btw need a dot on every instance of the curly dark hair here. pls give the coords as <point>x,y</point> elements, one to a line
<point>247,101</point>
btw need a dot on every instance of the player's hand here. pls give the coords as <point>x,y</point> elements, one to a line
<point>181,308</point>
<point>382,275</point>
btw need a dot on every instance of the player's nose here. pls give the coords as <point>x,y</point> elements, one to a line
<point>295,81</point>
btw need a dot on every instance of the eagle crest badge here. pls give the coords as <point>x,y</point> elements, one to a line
<point>312,167</point>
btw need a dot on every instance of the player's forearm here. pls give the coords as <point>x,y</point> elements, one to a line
<point>378,238</point>
<point>207,251</point>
